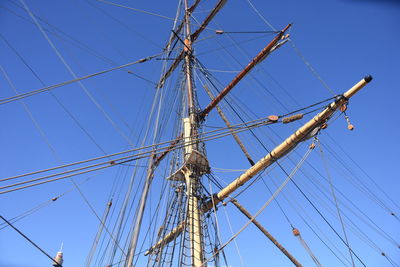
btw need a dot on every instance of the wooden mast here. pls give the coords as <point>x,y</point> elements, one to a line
<point>190,170</point>
<point>192,176</point>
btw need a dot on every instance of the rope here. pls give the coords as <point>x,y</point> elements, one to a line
<point>137,10</point>
<point>224,71</point>
<point>261,16</point>
<point>307,248</point>
<point>295,48</point>
<point>321,102</point>
<point>307,107</point>
<point>54,96</point>
<point>376,185</point>
<point>148,13</point>
<point>280,166</point>
<point>149,177</point>
<point>247,155</point>
<point>105,114</point>
<point>131,158</point>
<point>217,230</point>
<point>160,96</point>
<point>135,33</point>
<point>312,204</point>
<point>230,45</point>
<point>76,79</point>
<point>355,229</point>
<point>71,40</point>
<point>248,32</point>
<point>46,140</point>
<point>335,200</point>
<point>280,188</point>
<point>28,212</point>
<point>302,214</point>
<point>326,221</point>
<point>30,241</point>
<point>310,67</point>
<point>40,206</point>
<point>228,170</point>
<point>146,153</point>
<point>277,202</point>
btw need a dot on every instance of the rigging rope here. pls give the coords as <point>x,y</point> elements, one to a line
<point>363,188</point>
<point>76,79</point>
<point>377,229</point>
<point>69,113</point>
<point>136,9</point>
<point>249,1</point>
<point>268,151</point>
<point>309,201</point>
<point>327,222</point>
<point>30,241</point>
<point>261,16</point>
<point>289,178</point>
<point>70,40</point>
<point>307,219</point>
<point>215,135</point>
<point>238,128</point>
<point>311,68</point>
<point>150,13</point>
<point>46,140</point>
<point>296,233</point>
<point>40,206</point>
<point>335,199</point>
<point>295,48</point>
<point>352,226</point>
<point>244,150</point>
<point>222,32</point>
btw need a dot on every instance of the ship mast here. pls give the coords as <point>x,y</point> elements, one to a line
<point>195,162</point>
<point>192,177</point>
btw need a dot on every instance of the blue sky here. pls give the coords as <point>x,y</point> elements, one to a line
<point>343,40</point>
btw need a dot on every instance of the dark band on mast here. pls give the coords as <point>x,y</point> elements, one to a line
<point>368,78</point>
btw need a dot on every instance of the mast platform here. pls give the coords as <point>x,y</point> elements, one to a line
<point>195,160</point>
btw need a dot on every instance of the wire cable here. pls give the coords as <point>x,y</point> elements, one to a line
<point>214,135</point>
<point>30,241</point>
<point>77,79</point>
<point>335,200</point>
<point>289,178</point>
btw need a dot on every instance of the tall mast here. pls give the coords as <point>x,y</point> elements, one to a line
<point>191,174</point>
<point>188,62</point>
<point>196,164</point>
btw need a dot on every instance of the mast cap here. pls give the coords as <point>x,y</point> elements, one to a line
<point>368,78</point>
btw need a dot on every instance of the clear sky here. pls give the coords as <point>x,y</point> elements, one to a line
<point>337,42</point>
